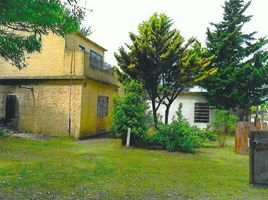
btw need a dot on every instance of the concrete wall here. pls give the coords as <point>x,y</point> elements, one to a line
<point>50,62</point>
<point>91,124</point>
<point>45,108</point>
<point>188,100</point>
<point>73,42</point>
<point>59,57</point>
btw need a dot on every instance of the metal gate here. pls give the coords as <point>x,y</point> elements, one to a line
<point>258,160</point>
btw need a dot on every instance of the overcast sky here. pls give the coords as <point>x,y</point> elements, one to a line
<point>112,20</point>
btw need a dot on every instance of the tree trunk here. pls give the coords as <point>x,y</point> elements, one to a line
<point>244,115</point>
<point>167,114</point>
<point>154,112</point>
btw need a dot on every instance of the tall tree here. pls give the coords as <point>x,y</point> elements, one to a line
<point>161,59</point>
<point>241,61</point>
<point>22,24</point>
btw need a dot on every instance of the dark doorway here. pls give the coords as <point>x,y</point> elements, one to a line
<point>11,108</point>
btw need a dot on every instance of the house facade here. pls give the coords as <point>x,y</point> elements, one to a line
<point>66,90</point>
<point>195,108</point>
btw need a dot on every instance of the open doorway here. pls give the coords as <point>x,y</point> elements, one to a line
<point>12,111</point>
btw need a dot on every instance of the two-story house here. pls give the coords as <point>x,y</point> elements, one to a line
<point>66,90</point>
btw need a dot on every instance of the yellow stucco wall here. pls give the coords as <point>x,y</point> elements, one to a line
<point>73,42</point>
<point>56,59</point>
<point>50,62</point>
<point>45,108</point>
<point>91,124</point>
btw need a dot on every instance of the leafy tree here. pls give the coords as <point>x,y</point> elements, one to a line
<point>241,61</point>
<point>161,59</point>
<point>22,24</point>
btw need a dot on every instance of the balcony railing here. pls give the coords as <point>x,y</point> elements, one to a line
<point>101,65</point>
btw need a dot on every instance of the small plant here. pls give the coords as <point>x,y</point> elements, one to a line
<point>224,124</point>
<point>131,111</point>
<point>178,116</point>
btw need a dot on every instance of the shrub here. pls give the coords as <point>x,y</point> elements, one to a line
<point>178,136</point>
<point>224,124</point>
<point>208,135</point>
<point>130,111</point>
<point>2,134</point>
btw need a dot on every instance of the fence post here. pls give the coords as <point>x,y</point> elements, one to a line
<point>128,136</point>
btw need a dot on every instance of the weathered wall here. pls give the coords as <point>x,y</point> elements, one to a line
<point>90,123</point>
<point>50,62</point>
<point>45,108</point>
<point>188,100</point>
<point>55,60</point>
<point>73,42</point>
<point>74,62</point>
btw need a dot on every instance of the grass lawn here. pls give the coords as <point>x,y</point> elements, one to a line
<point>66,169</point>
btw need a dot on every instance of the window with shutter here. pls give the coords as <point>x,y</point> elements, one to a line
<point>201,113</point>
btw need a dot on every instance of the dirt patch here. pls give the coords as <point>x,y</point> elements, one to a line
<point>107,138</point>
<point>31,136</point>
<point>15,133</point>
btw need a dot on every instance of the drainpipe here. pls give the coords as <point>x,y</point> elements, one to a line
<point>70,97</point>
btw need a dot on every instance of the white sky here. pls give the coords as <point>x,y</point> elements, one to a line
<point>112,20</point>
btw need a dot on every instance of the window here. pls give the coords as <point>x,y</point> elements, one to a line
<point>103,106</point>
<point>81,48</point>
<point>201,113</point>
<point>96,59</point>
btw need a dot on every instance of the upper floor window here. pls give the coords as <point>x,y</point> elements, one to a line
<point>201,113</point>
<point>81,48</point>
<point>96,60</point>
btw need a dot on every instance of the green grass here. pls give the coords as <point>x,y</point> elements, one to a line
<point>64,169</point>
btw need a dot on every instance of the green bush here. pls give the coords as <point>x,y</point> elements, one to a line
<point>130,111</point>
<point>208,135</point>
<point>178,136</point>
<point>224,124</point>
<point>2,135</point>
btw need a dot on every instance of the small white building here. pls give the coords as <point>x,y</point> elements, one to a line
<point>195,108</point>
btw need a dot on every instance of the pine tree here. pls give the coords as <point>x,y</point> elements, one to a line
<point>163,61</point>
<point>241,61</point>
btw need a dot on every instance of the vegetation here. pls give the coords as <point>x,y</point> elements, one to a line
<point>241,60</point>
<point>86,31</point>
<point>161,59</point>
<point>22,24</point>
<point>224,124</point>
<point>130,111</point>
<point>64,169</point>
<point>177,136</point>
